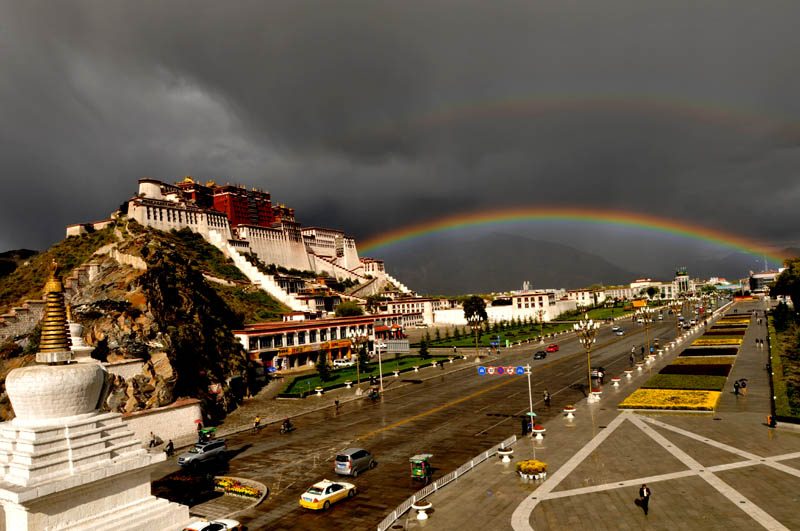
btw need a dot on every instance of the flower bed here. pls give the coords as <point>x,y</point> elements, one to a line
<point>531,466</point>
<point>712,342</point>
<point>710,351</point>
<point>704,360</point>
<point>724,326</point>
<point>236,488</point>
<point>725,332</point>
<point>686,381</point>
<point>671,399</point>
<point>712,369</point>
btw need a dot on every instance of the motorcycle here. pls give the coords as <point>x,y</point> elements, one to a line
<point>287,429</point>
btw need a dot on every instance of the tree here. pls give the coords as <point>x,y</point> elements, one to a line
<point>651,291</point>
<point>374,303</point>
<point>456,333</point>
<point>438,335</point>
<point>363,356</point>
<point>427,337</point>
<point>475,309</point>
<point>323,369</point>
<point>788,282</point>
<point>447,334</point>
<point>423,350</point>
<point>348,309</point>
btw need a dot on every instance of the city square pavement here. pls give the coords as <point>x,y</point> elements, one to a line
<point>721,471</point>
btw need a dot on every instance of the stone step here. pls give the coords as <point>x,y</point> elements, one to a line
<point>149,513</point>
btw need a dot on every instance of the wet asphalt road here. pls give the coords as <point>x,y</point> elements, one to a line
<point>454,417</point>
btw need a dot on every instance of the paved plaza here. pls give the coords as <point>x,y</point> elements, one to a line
<point>721,471</point>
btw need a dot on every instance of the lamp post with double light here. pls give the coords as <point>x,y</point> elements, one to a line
<point>646,315</point>
<point>378,347</point>
<point>586,330</point>
<point>357,339</point>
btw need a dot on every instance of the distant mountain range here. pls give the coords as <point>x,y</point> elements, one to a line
<point>11,260</point>
<point>499,262</point>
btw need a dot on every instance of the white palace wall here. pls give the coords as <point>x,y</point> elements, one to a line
<point>274,247</point>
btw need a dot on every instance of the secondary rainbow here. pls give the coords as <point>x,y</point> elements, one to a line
<point>569,214</point>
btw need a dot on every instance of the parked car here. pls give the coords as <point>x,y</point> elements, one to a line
<point>214,525</point>
<point>353,461</point>
<point>343,362</point>
<point>596,371</point>
<point>542,354</point>
<point>552,348</point>
<point>325,493</point>
<point>203,452</point>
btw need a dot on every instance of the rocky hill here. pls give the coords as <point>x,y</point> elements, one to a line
<point>168,299</point>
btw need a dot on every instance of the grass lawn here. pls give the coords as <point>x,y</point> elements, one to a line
<point>693,382</point>
<point>518,333</point>
<point>785,372</point>
<point>301,385</point>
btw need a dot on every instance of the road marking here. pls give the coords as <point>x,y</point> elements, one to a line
<point>440,408</point>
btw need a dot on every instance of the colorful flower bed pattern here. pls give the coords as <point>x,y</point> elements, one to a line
<point>236,488</point>
<point>713,369</point>
<point>671,399</point>
<point>709,351</point>
<point>712,342</point>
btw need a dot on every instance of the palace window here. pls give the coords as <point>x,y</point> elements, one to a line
<point>301,338</point>
<point>312,336</point>
<point>333,333</point>
<point>290,339</point>
<point>323,334</point>
<point>278,341</point>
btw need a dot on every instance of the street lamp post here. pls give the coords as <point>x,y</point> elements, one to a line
<point>676,306</point>
<point>473,322</point>
<point>355,339</point>
<point>586,330</point>
<point>540,314</point>
<point>646,315</point>
<point>378,347</point>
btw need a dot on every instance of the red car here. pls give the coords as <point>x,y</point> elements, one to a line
<point>552,348</point>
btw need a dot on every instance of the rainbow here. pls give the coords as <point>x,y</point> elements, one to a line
<point>535,214</point>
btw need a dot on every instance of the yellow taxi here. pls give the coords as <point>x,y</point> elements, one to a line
<point>325,493</point>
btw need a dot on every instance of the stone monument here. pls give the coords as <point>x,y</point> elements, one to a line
<point>63,463</point>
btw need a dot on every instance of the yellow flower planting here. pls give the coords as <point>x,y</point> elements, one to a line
<point>531,467</point>
<point>704,360</point>
<point>709,342</point>
<point>671,399</point>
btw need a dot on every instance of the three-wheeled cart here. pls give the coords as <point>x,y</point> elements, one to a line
<point>421,468</point>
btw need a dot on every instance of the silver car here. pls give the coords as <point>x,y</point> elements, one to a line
<point>203,452</point>
<point>352,461</point>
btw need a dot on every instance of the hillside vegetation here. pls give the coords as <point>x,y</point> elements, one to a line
<point>27,282</point>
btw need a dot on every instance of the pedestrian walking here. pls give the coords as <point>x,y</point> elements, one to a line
<point>736,388</point>
<point>170,448</point>
<point>602,376</point>
<point>762,343</point>
<point>632,359</point>
<point>644,497</point>
<point>256,423</point>
<point>336,404</point>
<point>524,426</point>
<point>642,350</point>
<point>743,387</point>
<point>546,396</point>
<point>152,440</point>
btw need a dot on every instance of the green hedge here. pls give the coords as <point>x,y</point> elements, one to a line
<point>302,386</point>
<point>783,406</point>
<point>686,381</point>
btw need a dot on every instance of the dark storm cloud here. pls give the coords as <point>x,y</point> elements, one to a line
<point>365,115</point>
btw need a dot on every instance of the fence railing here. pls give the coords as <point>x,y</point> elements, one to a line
<point>441,482</point>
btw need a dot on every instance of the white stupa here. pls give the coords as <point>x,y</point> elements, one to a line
<point>63,464</point>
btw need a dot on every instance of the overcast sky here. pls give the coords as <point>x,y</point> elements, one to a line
<point>368,115</point>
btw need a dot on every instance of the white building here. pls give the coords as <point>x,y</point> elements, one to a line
<point>586,297</point>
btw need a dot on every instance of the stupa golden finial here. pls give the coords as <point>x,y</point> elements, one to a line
<point>55,337</point>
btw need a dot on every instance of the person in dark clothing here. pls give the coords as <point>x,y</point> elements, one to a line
<point>644,497</point>
<point>170,448</point>
<point>524,426</point>
<point>642,350</point>
<point>736,388</point>
<point>546,397</point>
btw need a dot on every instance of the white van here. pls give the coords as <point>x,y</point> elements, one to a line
<point>343,362</point>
